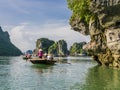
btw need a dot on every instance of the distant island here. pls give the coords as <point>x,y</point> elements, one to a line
<point>59,48</point>
<point>6,47</point>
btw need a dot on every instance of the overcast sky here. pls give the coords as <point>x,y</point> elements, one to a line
<point>28,20</point>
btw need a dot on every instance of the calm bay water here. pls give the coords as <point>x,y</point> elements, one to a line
<point>72,73</point>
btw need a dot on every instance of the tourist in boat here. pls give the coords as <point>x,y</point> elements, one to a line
<point>28,56</point>
<point>45,56</point>
<point>50,57</point>
<point>40,53</point>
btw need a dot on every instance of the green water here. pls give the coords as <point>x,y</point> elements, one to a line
<point>72,73</point>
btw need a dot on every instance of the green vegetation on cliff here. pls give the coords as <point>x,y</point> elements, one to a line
<point>53,49</point>
<point>49,46</point>
<point>58,48</point>
<point>77,48</point>
<point>44,43</point>
<point>62,48</point>
<point>6,47</point>
<point>80,9</point>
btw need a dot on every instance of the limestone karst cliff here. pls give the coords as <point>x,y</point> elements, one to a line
<point>44,44</point>
<point>6,47</point>
<point>77,49</point>
<point>58,48</point>
<point>101,20</point>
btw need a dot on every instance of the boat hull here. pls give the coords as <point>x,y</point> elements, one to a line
<point>40,61</point>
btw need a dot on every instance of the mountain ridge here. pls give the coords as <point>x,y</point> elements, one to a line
<point>6,46</point>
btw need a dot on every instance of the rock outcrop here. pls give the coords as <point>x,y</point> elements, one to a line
<point>62,48</point>
<point>44,44</point>
<point>102,22</point>
<point>58,48</point>
<point>6,47</point>
<point>77,49</point>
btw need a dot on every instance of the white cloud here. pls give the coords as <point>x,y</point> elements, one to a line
<point>17,37</point>
<point>24,36</point>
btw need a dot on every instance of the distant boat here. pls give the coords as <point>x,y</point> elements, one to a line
<point>25,57</point>
<point>42,61</point>
<point>27,54</point>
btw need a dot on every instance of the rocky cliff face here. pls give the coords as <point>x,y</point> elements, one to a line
<point>77,48</point>
<point>44,44</point>
<point>58,48</point>
<point>104,29</point>
<point>62,48</point>
<point>6,47</point>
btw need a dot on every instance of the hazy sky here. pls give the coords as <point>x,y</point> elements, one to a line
<point>28,20</point>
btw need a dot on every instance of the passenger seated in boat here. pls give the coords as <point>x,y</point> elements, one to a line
<point>45,56</point>
<point>40,53</point>
<point>27,56</point>
<point>50,57</point>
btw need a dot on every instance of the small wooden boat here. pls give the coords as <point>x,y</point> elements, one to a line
<point>26,58</point>
<point>41,61</point>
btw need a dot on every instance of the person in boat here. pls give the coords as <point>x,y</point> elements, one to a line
<point>28,56</point>
<point>45,56</point>
<point>50,57</point>
<point>40,53</point>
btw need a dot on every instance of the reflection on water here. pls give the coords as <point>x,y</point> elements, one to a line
<point>62,61</point>
<point>100,78</point>
<point>43,68</point>
<point>72,73</point>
